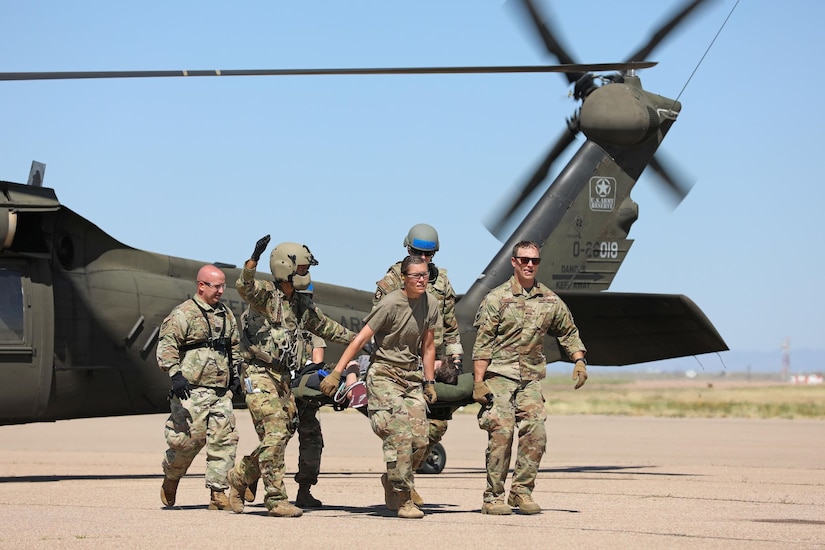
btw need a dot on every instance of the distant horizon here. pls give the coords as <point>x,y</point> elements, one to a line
<point>769,361</point>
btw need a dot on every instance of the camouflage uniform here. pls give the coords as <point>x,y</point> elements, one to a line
<point>447,338</point>
<point>511,325</point>
<point>276,346</point>
<point>206,418</point>
<point>397,409</point>
<point>310,438</point>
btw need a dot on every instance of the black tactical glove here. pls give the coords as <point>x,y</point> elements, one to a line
<point>180,386</point>
<point>481,393</point>
<point>260,246</point>
<point>580,373</point>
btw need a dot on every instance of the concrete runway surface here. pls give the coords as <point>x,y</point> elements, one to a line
<point>605,482</point>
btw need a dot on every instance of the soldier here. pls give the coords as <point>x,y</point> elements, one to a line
<point>197,343</point>
<point>508,366</point>
<point>403,325</point>
<point>276,345</point>
<point>422,240</point>
<point>310,438</point>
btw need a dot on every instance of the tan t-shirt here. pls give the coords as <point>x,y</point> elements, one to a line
<point>400,323</point>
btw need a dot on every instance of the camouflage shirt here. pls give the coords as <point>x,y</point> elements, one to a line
<point>288,320</point>
<point>447,338</point>
<point>189,325</point>
<point>511,324</point>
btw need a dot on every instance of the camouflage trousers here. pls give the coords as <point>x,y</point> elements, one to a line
<point>516,405</point>
<point>205,419</point>
<point>398,415</point>
<point>275,418</point>
<point>310,443</point>
<point>436,430</point>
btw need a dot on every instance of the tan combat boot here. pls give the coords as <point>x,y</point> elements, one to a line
<point>283,509</point>
<point>390,496</point>
<point>305,498</point>
<point>168,491</point>
<point>416,498</point>
<point>218,500</point>
<point>251,491</point>
<point>407,508</point>
<point>496,508</point>
<point>524,502</point>
<point>237,492</point>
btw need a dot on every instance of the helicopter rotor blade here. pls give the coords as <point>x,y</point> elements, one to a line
<point>548,37</point>
<point>502,216</point>
<point>574,68</point>
<point>678,186</point>
<point>658,36</point>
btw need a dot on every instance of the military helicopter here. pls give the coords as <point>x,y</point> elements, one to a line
<point>81,311</point>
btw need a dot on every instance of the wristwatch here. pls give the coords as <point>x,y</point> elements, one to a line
<point>429,381</point>
<point>582,359</point>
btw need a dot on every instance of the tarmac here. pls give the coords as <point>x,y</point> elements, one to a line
<point>605,482</point>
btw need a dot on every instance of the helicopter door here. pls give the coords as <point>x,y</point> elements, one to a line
<point>26,338</point>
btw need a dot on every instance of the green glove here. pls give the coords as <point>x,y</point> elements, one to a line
<point>481,393</point>
<point>329,385</point>
<point>580,373</point>
<point>429,394</point>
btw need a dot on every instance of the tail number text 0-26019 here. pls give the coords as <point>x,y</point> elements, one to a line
<point>605,250</point>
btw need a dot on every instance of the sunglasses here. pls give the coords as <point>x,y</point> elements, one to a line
<point>416,252</point>
<point>221,286</point>
<point>422,275</point>
<point>524,260</point>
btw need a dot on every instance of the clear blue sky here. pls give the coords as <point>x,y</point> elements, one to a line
<point>202,167</point>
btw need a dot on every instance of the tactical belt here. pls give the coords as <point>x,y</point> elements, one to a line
<point>188,347</point>
<point>405,366</point>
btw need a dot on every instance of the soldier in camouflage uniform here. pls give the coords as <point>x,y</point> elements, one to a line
<point>508,366</point>
<point>310,438</point>
<point>276,348</point>
<point>422,240</point>
<point>403,324</point>
<point>196,346</point>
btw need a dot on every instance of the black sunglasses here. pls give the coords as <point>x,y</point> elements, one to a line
<point>524,260</point>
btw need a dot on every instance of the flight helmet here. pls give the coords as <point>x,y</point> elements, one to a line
<point>422,237</point>
<point>284,261</point>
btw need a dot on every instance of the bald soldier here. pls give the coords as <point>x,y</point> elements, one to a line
<point>197,344</point>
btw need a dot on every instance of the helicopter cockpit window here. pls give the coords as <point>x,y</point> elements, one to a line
<point>11,306</point>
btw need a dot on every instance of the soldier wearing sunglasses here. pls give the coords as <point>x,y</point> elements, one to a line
<point>508,366</point>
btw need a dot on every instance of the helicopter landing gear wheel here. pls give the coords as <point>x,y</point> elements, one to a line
<point>435,462</point>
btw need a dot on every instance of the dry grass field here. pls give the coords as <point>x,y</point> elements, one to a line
<point>609,392</point>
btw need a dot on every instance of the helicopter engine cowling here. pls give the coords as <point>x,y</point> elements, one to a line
<point>618,114</point>
<point>622,113</point>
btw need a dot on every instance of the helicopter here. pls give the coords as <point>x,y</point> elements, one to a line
<point>81,311</point>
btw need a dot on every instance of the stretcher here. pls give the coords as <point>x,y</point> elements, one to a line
<point>451,397</point>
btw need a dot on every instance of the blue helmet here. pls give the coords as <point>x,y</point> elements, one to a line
<point>422,237</point>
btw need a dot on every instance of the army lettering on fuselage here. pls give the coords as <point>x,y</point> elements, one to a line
<point>354,323</point>
<point>602,194</point>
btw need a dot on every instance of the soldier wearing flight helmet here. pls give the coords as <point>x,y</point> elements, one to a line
<point>288,315</point>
